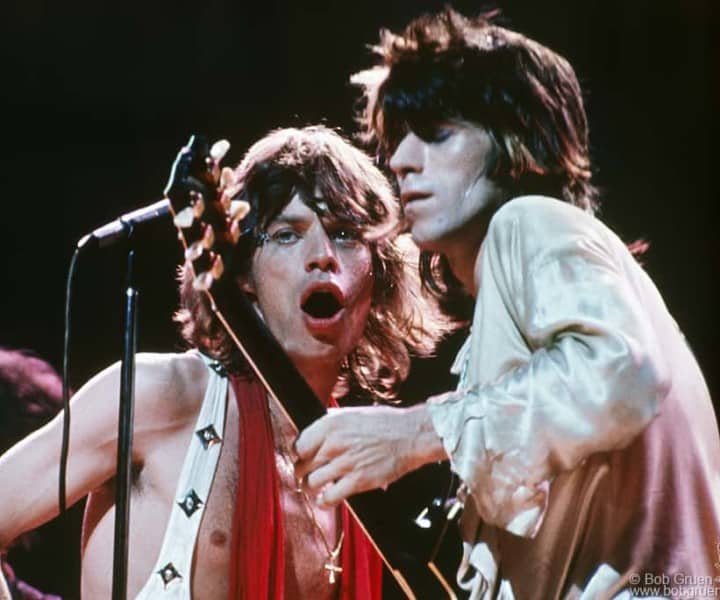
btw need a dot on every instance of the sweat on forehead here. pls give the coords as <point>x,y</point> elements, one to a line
<point>322,167</point>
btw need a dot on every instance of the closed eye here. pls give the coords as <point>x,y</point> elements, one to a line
<point>433,133</point>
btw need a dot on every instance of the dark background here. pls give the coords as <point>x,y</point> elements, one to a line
<point>98,97</point>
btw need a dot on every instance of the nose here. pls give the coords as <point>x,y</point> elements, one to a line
<point>320,252</point>
<point>407,156</point>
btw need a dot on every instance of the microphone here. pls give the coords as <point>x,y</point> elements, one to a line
<point>123,226</point>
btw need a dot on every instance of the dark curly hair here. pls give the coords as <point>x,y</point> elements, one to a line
<point>527,97</point>
<point>322,166</point>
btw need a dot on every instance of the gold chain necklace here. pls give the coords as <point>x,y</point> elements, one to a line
<point>332,554</point>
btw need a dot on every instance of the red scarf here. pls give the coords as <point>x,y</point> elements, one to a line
<point>257,539</point>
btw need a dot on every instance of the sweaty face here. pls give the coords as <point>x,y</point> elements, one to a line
<point>446,195</point>
<point>313,283</point>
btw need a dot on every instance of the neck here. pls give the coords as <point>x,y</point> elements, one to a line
<point>462,250</point>
<point>321,378</point>
<point>463,267</point>
<point>462,260</point>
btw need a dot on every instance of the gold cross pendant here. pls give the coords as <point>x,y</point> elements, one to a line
<point>332,569</point>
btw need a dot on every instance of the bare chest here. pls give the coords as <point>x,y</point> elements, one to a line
<point>154,493</point>
<point>312,535</point>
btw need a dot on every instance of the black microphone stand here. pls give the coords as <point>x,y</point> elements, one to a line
<point>125,432</point>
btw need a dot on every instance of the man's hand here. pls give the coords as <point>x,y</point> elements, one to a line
<point>351,450</point>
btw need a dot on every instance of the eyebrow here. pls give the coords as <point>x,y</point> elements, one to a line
<point>330,221</point>
<point>289,219</point>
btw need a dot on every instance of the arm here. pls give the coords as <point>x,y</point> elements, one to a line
<point>351,450</point>
<point>594,378</point>
<point>31,467</point>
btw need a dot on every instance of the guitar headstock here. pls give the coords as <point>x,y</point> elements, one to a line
<point>205,212</point>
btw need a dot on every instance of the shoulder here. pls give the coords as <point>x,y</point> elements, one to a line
<point>530,227</point>
<point>539,213</point>
<point>169,371</point>
<point>172,382</point>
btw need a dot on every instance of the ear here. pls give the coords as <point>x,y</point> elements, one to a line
<point>247,286</point>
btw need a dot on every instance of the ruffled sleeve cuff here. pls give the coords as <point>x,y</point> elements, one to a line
<point>499,498</point>
<point>449,413</point>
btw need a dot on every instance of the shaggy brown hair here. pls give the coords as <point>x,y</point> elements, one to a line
<point>321,166</point>
<point>447,67</point>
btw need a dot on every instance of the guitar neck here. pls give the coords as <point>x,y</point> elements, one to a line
<point>266,356</point>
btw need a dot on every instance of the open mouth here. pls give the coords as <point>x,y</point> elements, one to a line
<point>321,305</point>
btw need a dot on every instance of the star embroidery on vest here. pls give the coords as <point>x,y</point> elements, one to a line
<point>218,368</point>
<point>208,436</point>
<point>168,573</point>
<point>190,503</point>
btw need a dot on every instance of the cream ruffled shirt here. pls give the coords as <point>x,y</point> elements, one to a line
<point>582,428</point>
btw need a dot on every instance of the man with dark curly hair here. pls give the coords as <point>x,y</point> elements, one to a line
<point>582,428</point>
<point>322,266</point>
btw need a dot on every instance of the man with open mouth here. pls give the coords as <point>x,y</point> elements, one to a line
<point>582,428</point>
<point>321,265</point>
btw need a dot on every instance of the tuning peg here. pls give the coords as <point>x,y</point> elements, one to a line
<point>225,201</point>
<point>218,267</point>
<point>208,238</point>
<point>194,251</point>
<point>184,218</point>
<point>219,150</point>
<point>239,209</point>
<point>227,177</point>
<point>227,185</point>
<point>234,232</point>
<point>203,281</point>
<point>198,203</point>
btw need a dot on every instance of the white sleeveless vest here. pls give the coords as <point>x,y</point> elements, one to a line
<point>171,575</point>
